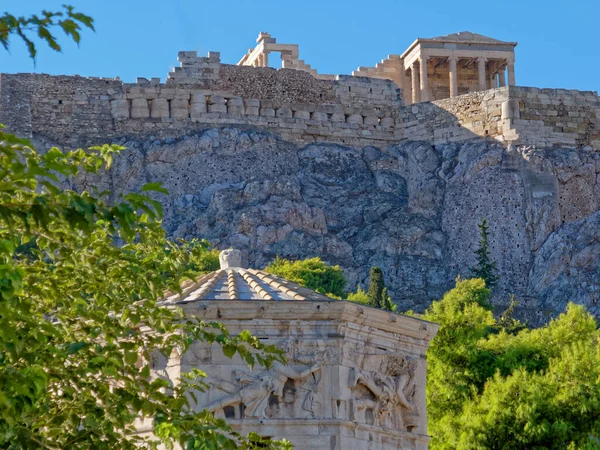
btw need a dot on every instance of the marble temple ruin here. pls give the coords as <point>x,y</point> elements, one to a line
<point>430,69</point>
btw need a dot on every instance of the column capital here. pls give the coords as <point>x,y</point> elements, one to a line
<point>423,58</point>
<point>453,58</point>
<point>482,59</point>
<point>510,60</point>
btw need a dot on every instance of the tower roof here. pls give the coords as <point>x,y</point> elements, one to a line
<point>232,282</point>
<point>236,283</point>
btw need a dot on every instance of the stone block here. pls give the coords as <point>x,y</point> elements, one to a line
<point>319,116</point>
<point>387,122</point>
<point>139,108</point>
<point>119,109</point>
<point>198,102</point>
<point>337,118</point>
<point>159,108</point>
<point>355,118</point>
<point>180,108</point>
<point>300,114</point>
<point>235,105</point>
<point>284,112</point>
<point>371,120</point>
<point>252,107</point>
<point>267,112</point>
<point>216,104</point>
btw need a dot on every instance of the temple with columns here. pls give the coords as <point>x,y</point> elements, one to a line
<point>430,69</point>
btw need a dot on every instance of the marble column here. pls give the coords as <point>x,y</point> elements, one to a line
<point>265,59</point>
<point>423,76</point>
<point>406,81</point>
<point>502,77</point>
<point>452,60</point>
<point>414,75</point>
<point>481,66</point>
<point>511,72</point>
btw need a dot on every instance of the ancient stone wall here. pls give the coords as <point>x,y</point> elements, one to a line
<point>556,117</point>
<point>350,110</point>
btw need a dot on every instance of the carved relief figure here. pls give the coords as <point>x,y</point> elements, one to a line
<point>258,392</point>
<point>389,398</point>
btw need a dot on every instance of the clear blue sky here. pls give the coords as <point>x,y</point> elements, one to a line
<point>558,40</point>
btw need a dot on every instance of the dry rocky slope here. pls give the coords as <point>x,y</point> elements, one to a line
<point>342,170</point>
<point>411,208</point>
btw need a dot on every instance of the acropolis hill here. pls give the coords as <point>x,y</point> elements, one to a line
<point>392,166</point>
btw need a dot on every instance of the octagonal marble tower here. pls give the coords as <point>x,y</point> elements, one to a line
<point>355,377</point>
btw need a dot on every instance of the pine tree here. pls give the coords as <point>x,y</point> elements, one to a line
<point>485,268</point>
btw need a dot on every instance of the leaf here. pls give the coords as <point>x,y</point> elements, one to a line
<point>156,187</point>
<point>229,350</point>
<point>75,347</point>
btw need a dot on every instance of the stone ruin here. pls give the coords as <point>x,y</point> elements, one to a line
<point>355,377</point>
<point>430,69</point>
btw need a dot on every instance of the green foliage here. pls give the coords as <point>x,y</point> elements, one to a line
<point>388,304</point>
<point>203,261</point>
<point>312,273</point>
<point>506,321</point>
<point>485,268</point>
<point>81,314</point>
<point>454,364</point>
<point>498,385</point>
<point>359,296</point>
<point>29,28</point>
<point>377,293</point>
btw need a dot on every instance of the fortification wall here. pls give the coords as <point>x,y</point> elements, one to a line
<point>72,110</point>
<point>553,117</point>
<point>283,85</point>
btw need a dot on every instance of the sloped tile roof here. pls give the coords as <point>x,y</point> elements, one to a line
<point>236,283</point>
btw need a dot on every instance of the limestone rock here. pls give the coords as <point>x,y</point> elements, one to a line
<point>410,208</point>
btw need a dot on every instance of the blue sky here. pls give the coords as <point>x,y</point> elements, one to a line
<point>558,40</point>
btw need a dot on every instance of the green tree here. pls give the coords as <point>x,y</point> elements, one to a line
<point>376,287</point>
<point>312,273</point>
<point>454,363</point>
<point>485,268</point>
<point>493,386</point>
<point>377,293</point>
<point>81,313</point>
<point>40,27</point>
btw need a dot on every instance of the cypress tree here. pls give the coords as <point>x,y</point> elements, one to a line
<point>485,268</point>
<point>376,287</point>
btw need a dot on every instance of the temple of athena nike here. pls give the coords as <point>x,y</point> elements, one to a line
<point>430,69</point>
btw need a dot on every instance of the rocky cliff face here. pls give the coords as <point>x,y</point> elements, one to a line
<point>411,208</point>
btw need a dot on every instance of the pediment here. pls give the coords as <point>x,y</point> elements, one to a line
<point>467,36</point>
